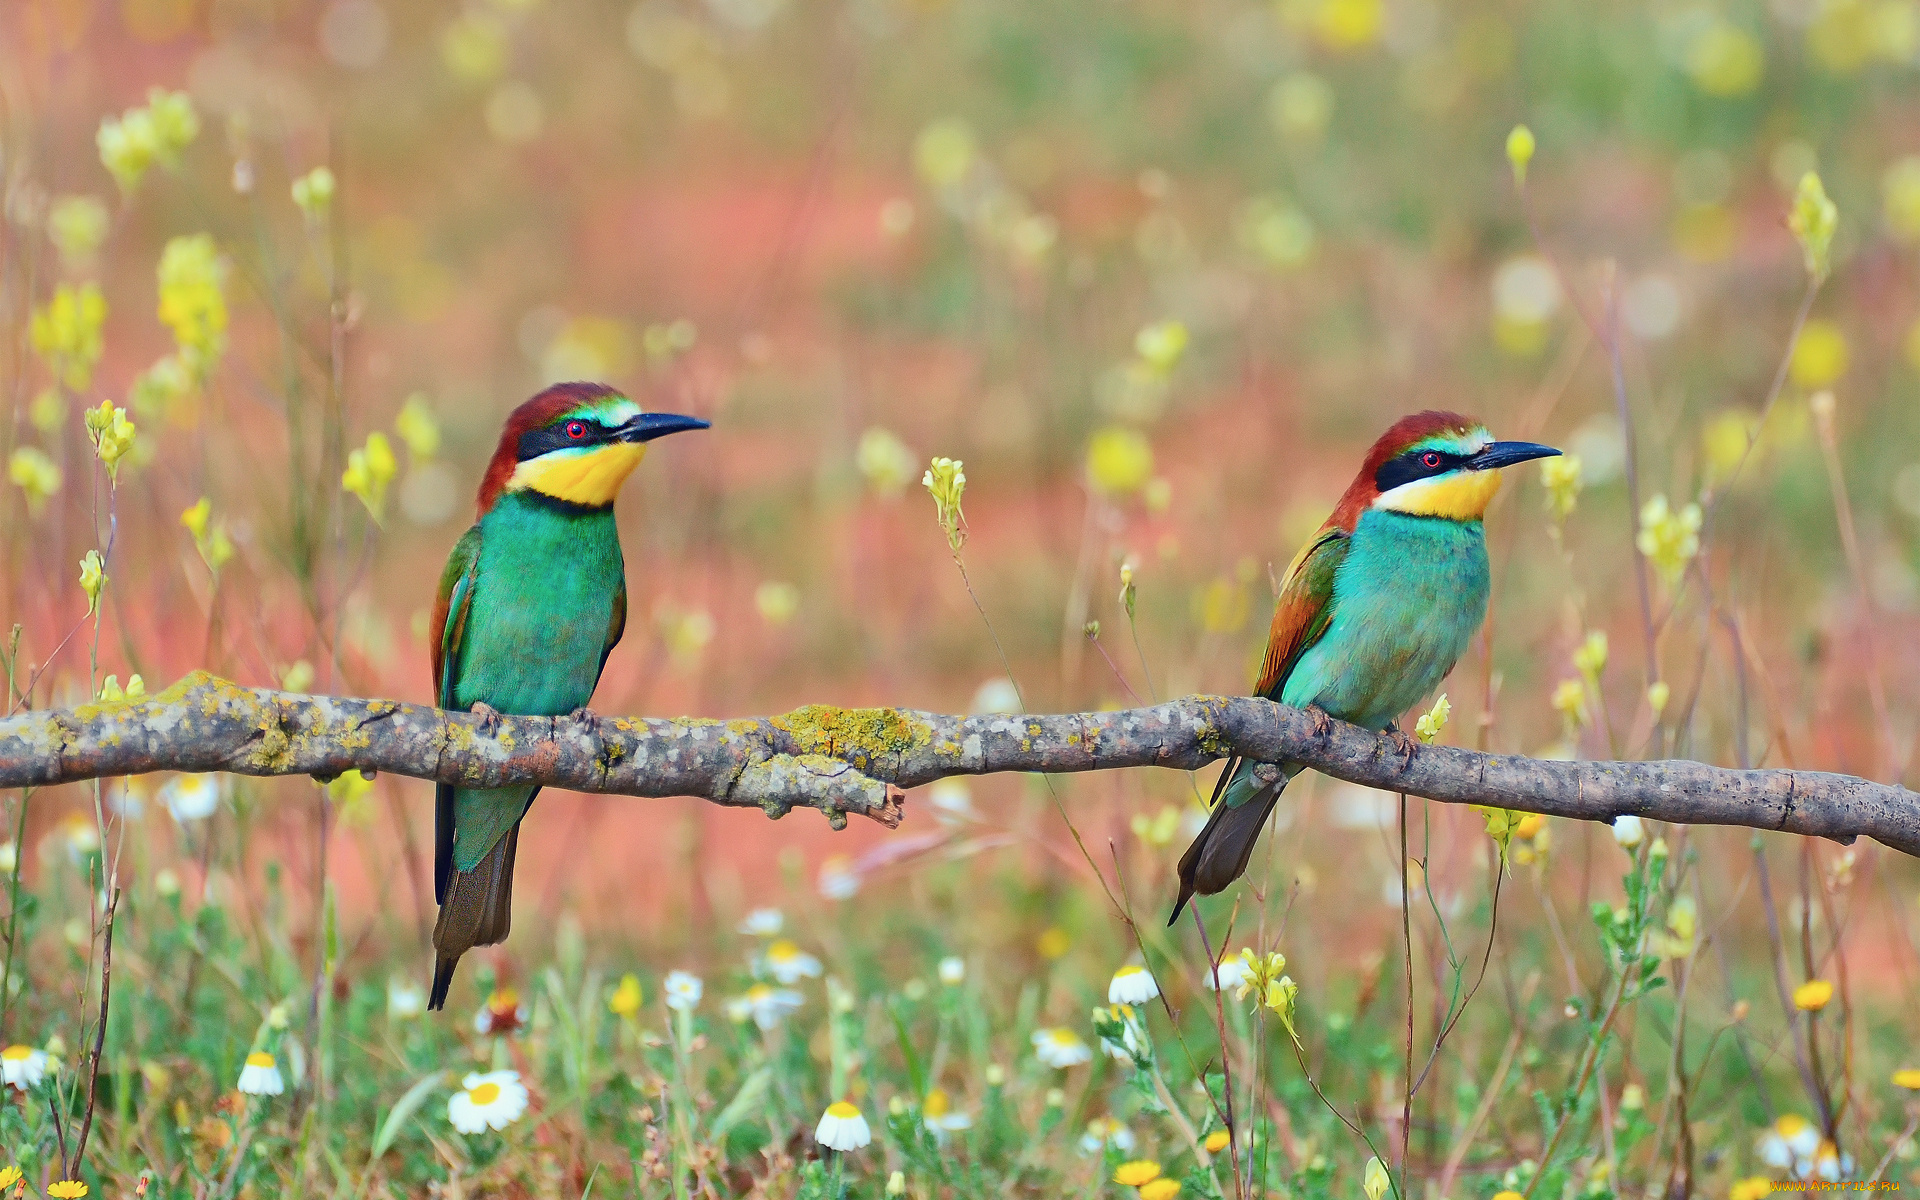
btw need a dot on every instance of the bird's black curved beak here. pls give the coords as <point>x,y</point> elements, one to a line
<point>648,426</point>
<point>1505,454</point>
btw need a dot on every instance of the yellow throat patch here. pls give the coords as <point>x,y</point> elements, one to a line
<point>1457,496</point>
<point>590,476</point>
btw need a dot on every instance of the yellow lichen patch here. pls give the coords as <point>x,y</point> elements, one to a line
<point>855,735</point>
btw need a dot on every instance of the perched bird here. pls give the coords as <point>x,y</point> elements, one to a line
<point>532,600</point>
<point>1374,611</point>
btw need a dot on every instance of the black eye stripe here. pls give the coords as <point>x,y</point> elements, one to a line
<point>536,442</point>
<point>1412,465</point>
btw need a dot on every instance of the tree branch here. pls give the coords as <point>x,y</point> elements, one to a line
<point>856,760</point>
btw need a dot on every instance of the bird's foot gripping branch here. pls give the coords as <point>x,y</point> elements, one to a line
<point>853,760</point>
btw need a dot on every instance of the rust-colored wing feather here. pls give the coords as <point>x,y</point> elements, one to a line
<point>450,614</point>
<point>1301,613</point>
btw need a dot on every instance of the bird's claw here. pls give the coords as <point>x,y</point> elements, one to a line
<point>587,719</point>
<point>489,716</point>
<point>1322,720</point>
<point>1404,744</point>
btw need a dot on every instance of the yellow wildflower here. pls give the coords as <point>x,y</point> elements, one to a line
<point>67,1189</point>
<point>884,461</point>
<point>313,193</point>
<point>1813,220</point>
<point>1434,720</point>
<point>35,474</point>
<point>1217,1141</point>
<point>9,1176</point>
<point>111,434</point>
<point>947,482</point>
<point>625,1001</point>
<point>77,225</point>
<point>158,391</point>
<point>1374,1180</point>
<point>66,333</point>
<point>418,428</point>
<point>777,601</point>
<point>1054,942</point>
<point>1119,461</point>
<point>1908,1078</point>
<point>1520,147</point>
<point>1162,345</point>
<point>1590,658</point>
<point>1570,701</point>
<point>1657,696</point>
<point>1820,356</point>
<point>1136,1173</point>
<point>1560,477</point>
<point>369,470</point>
<point>944,153</point>
<point>1756,1187</point>
<point>1669,538</point>
<point>1503,825</point>
<point>1161,1189</point>
<point>192,303</point>
<point>1725,60</point>
<point>1813,995</point>
<point>93,578</point>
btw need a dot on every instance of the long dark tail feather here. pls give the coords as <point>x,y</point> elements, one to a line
<point>476,909</point>
<point>1219,855</point>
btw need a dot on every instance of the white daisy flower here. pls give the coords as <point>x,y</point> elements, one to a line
<point>191,797</point>
<point>682,989</point>
<point>1132,1044</point>
<point>22,1067</point>
<point>788,963</point>
<point>261,1075</point>
<point>1831,1165</point>
<point>763,922</point>
<point>940,1117</point>
<point>1628,831</point>
<point>765,1004</point>
<point>491,1101</point>
<point>838,879</point>
<point>1060,1048</point>
<point>1790,1145</point>
<point>953,970</point>
<point>1233,972</point>
<point>1103,1132</point>
<point>405,999</point>
<point>842,1128</point>
<point>1132,984</point>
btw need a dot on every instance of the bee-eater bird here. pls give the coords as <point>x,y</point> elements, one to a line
<point>1374,610</point>
<point>532,600</point>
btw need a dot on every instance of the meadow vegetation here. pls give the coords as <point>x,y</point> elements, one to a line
<point>1036,338</point>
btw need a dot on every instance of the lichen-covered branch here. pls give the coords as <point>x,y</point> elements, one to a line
<point>858,760</point>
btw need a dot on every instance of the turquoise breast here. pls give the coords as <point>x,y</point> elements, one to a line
<point>1406,602</point>
<point>542,601</point>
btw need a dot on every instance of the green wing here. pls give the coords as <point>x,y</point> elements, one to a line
<point>1300,617</point>
<point>449,629</point>
<point>450,613</point>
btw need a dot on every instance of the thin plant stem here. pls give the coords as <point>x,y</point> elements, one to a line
<point>1406,932</point>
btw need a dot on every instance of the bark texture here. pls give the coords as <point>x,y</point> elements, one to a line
<point>859,760</point>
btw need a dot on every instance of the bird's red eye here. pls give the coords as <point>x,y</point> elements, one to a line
<point>1430,459</point>
<point>576,429</point>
